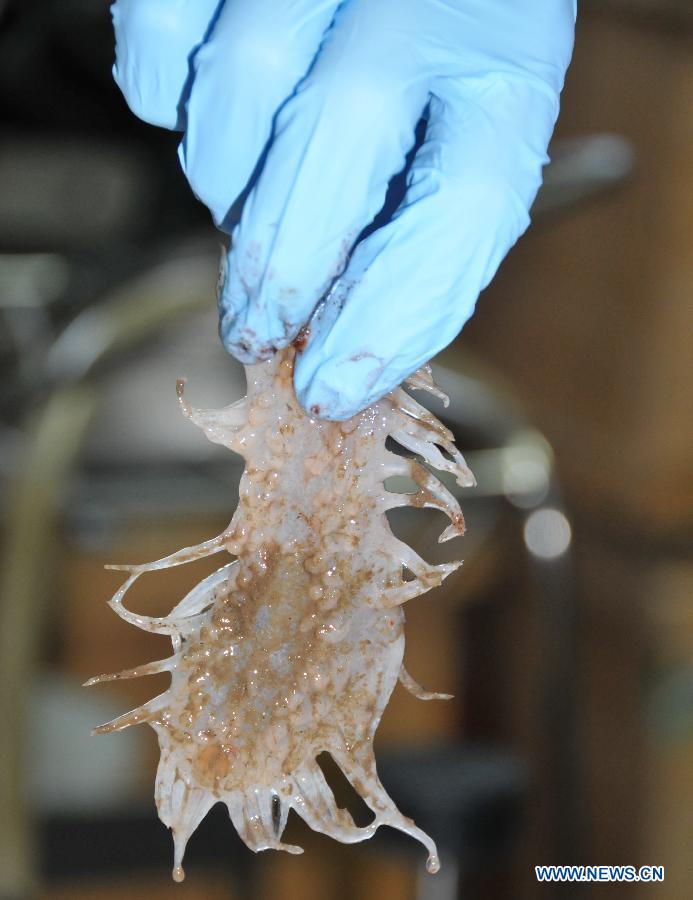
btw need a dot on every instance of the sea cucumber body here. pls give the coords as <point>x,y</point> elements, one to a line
<point>295,646</point>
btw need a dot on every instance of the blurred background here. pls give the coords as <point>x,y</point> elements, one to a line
<point>567,637</point>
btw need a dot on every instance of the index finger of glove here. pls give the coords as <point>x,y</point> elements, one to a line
<point>155,43</point>
<point>251,62</point>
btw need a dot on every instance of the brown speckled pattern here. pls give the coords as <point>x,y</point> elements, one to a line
<point>295,646</point>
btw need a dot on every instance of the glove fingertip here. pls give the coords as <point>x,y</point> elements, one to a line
<point>323,402</point>
<point>335,390</point>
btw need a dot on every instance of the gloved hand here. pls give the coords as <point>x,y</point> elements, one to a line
<point>321,98</point>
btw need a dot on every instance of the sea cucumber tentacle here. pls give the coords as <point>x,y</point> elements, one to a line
<point>151,668</point>
<point>221,426</point>
<point>166,775</point>
<point>156,624</point>
<point>137,716</point>
<point>426,573</point>
<point>179,620</point>
<point>418,430</point>
<point>316,791</point>
<point>413,438</point>
<point>207,591</point>
<point>359,768</point>
<point>317,806</point>
<point>396,596</point>
<point>251,812</point>
<point>413,686</point>
<point>189,806</point>
<point>431,493</point>
<point>452,531</point>
<point>422,380</point>
<point>179,558</point>
<point>408,408</point>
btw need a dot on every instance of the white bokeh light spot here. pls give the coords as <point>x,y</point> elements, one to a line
<point>547,533</point>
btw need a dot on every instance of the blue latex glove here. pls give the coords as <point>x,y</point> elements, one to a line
<point>333,91</point>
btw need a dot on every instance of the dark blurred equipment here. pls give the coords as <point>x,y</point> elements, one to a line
<point>87,192</point>
<point>671,13</point>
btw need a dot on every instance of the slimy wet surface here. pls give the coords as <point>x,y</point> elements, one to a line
<point>294,647</point>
